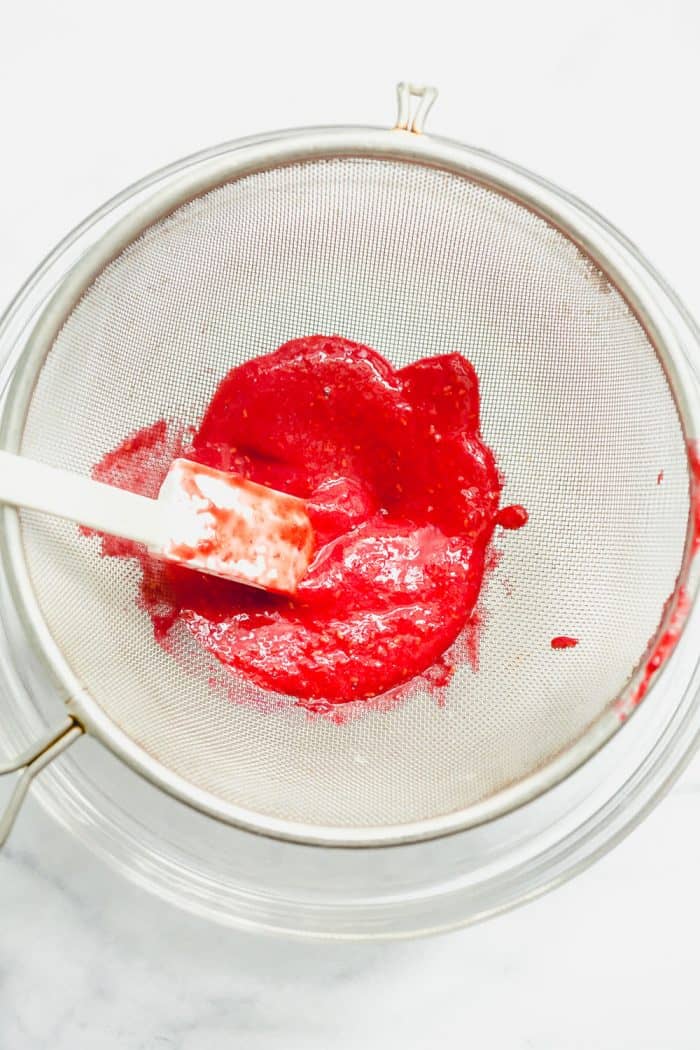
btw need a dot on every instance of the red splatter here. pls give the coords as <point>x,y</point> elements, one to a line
<point>139,464</point>
<point>513,517</point>
<point>659,477</point>
<point>665,645</point>
<point>562,641</point>
<point>471,636</point>
<point>669,639</point>
<point>694,459</point>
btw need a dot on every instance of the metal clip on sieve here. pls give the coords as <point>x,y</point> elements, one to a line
<point>416,122</point>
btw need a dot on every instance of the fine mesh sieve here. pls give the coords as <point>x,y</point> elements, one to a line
<point>392,240</point>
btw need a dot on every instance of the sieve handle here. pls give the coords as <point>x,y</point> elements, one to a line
<point>36,486</point>
<point>31,762</point>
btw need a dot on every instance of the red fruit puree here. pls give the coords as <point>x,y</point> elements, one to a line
<point>403,495</point>
<point>674,628</point>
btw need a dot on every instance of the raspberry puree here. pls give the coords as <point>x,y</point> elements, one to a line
<point>563,641</point>
<point>678,603</point>
<point>402,493</point>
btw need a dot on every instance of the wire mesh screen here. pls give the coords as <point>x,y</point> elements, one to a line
<point>411,261</point>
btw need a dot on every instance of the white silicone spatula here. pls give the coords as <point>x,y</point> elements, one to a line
<point>206,519</point>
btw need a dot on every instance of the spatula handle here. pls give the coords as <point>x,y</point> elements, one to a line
<point>26,483</point>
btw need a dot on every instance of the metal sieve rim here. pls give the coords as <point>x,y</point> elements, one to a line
<point>204,172</point>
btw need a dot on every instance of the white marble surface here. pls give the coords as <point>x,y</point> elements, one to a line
<point>608,962</point>
<point>602,98</point>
